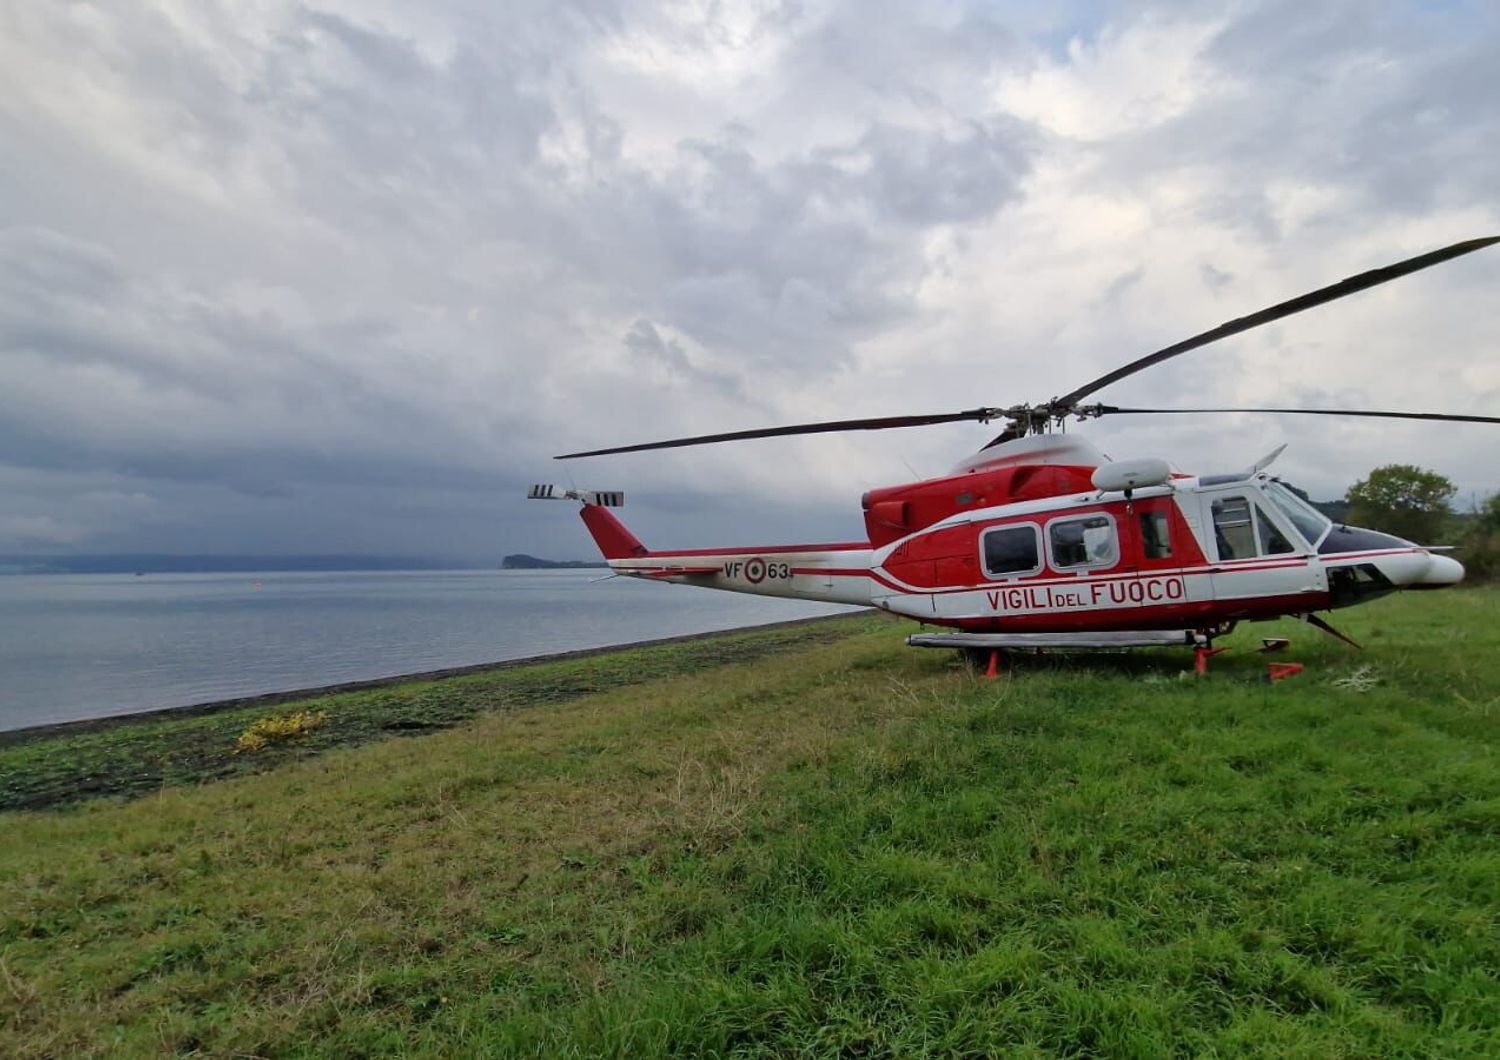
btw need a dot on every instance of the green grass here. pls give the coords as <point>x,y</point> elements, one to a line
<point>848,849</point>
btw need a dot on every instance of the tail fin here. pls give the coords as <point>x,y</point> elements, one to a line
<point>610,534</point>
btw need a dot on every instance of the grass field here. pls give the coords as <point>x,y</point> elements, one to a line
<point>849,848</point>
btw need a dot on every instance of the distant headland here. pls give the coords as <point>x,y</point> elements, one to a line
<point>151,563</point>
<point>521,561</point>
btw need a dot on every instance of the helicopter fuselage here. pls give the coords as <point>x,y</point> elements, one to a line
<point>1038,532</point>
<point>1188,554</point>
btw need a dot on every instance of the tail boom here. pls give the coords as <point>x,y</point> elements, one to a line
<point>837,573</point>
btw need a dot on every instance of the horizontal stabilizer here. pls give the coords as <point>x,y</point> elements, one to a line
<point>678,572</point>
<point>598,498</point>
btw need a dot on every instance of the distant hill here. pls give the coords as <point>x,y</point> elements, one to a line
<point>521,561</point>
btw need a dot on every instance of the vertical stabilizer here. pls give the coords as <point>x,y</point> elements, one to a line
<point>610,534</point>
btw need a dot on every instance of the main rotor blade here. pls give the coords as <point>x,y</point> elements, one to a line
<point>1352,285</point>
<point>1111,410</point>
<point>878,423</point>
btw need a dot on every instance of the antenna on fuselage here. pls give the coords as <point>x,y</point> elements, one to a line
<point>1265,461</point>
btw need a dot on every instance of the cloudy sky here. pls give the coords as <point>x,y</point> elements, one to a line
<point>342,275</point>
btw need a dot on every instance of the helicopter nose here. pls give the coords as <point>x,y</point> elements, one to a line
<point>1441,571</point>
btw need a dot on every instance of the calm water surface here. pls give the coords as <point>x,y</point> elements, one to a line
<point>87,645</point>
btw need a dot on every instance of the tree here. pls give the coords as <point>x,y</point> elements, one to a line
<point>1402,499</point>
<point>1481,546</point>
<point>1487,516</point>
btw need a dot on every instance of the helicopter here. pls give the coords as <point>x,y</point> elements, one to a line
<point>1041,540</point>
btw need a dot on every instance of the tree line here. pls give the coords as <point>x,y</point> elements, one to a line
<point>1417,504</point>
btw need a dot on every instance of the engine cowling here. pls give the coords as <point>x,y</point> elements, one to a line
<point>893,512</point>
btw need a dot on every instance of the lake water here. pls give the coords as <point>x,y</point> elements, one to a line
<point>88,645</point>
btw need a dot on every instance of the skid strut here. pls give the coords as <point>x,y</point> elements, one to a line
<point>1201,655</point>
<point>1314,620</point>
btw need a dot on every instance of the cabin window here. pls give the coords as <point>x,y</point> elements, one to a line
<point>1242,532</point>
<point>1011,550</point>
<point>1234,528</point>
<point>1088,541</point>
<point>1156,535</point>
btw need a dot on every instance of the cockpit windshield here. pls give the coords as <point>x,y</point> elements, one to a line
<point>1310,523</point>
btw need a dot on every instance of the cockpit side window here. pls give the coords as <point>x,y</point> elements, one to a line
<point>1310,523</point>
<point>1234,528</point>
<point>1272,541</point>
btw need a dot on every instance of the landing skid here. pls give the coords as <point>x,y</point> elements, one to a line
<point>1135,638</point>
<point>990,646</point>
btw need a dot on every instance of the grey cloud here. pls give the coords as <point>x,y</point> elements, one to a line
<point>1387,102</point>
<point>38,263</point>
<point>1214,279</point>
<point>771,264</point>
<point>363,275</point>
<point>921,177</point>
<point>645,341</point>
<point>1121,284</point>
<point>269,404</point>
<point>394,60</point>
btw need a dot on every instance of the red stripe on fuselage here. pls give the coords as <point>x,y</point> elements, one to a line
<point>763,550</point>
<point>1254,563</point>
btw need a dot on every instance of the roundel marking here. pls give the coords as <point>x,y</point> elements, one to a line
<point>755,571</point>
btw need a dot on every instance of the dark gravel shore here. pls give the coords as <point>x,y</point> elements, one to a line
<point>132,754</point>
<point>10,737</point>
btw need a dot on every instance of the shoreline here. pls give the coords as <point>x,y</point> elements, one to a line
<point>26,734</point>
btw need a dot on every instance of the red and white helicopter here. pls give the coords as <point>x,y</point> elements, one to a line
<point>1040,540</point>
